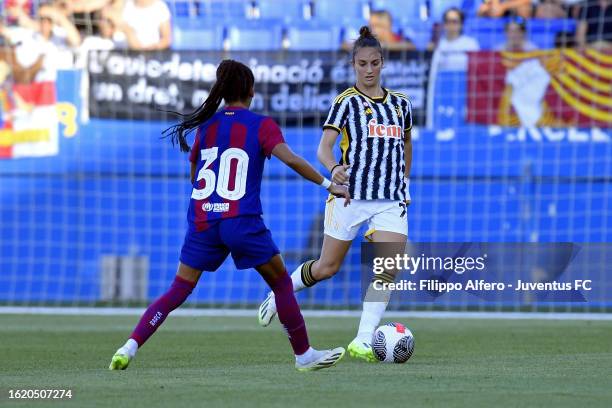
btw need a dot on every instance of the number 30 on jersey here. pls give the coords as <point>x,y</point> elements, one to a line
<point>208,156</point>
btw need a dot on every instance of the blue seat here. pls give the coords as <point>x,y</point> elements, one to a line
<point>191,34</point>
<point>543,32</point>
<point>182,8</point>
<point>289,10</point>
<point>400,10</point>
<point>319,37</point>
<point>350,28</point>
<point>255,35</point>
<point>488,31</point>
<point>418,31</point>
<point>223,10</point>
<point>339,11</point>
<point>438,7</point>
<point>469,7</point>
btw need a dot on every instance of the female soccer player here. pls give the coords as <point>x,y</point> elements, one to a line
<point>227,160</point>
<point>376,157</point>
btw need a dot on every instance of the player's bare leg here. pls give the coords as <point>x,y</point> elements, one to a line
<point>361,346</point>
<point>309,273</point>
<point>306,358</point>
<point>184,282</point>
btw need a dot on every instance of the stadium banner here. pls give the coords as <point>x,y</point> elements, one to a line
<point>487,273</point>
<point>29,123</point>
<point>549,88</point>
<point>295,88</point>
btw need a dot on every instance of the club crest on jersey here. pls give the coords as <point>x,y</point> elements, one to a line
<point>380,130</point>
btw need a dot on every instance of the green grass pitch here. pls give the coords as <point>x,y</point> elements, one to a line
<point>229,361</point>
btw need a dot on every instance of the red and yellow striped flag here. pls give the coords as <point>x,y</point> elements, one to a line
<point>579,91</point>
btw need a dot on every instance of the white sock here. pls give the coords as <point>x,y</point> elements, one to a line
<point>372,312</point>
<point>370,318</point>
<point>131,346</point>
<point>296,278</point>
<point>306,357</point>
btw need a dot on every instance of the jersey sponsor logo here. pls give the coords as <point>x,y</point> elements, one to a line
<point>215,207</point>
<point>379,130</point>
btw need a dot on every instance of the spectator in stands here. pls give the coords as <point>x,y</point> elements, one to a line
<point>11,73</point>
<point>550,9</point>
<point>505,8</point>
<point>84,14</point>
<point>10,101</point>
<point>381,24</point>
<point>52,23</point>
<point>107,36</point>
<point>516,37</point>
<point>595,25</point>
<point>146,24</point>
<point>449,54</point>
<point>25,5</point>
<point>50,36</point>
<point>20,74</point>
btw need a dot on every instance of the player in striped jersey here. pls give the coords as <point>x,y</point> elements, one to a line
<point>374,124</point>
<point>224,216</point>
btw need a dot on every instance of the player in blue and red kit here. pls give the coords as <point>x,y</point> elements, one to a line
<point>227,160</point>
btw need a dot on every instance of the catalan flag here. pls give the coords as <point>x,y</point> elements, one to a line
<point>556,88</point>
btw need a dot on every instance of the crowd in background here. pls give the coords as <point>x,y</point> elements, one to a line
<point>45,35</point>
<point>40,33</point>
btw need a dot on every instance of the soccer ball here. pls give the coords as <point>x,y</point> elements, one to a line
<point>393,343</point>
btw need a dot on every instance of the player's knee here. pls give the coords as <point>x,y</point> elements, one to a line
<point>325,270</point>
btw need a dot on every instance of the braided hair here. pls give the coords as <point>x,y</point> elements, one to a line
<point>234,83</point>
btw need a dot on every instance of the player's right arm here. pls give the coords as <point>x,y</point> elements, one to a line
<point>283,152</point>
<point>192,171</point>
<point>325,154</point>
<point>336,120</point>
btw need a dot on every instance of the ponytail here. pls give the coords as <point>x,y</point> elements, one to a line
<point>234,83</point>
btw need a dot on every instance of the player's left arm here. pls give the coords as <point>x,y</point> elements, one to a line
<point>192,171</point>
<point>407,137</point>
<point>408,161</point>
<point>194,156</point>
<point>408,152</point>
<point>408,149</point>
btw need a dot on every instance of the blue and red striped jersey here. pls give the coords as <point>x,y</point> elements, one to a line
<point>230,151</point>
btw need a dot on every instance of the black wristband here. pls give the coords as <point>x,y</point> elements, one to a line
<point>332,169</point>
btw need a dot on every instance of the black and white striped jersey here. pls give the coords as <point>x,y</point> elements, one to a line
<point>373,132</point>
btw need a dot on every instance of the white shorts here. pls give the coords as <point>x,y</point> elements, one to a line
<point>343,223</point>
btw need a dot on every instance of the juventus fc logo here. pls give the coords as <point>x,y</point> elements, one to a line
<point>398,109</point>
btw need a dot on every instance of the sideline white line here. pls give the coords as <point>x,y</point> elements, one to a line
<point>122,311</point>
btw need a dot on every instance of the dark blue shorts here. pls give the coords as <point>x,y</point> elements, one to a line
<point>245,237</point>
